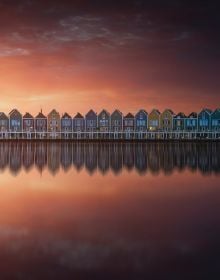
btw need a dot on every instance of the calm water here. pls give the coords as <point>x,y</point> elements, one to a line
<point>109,211</point>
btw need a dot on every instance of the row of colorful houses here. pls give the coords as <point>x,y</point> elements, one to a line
<point>204,121</point>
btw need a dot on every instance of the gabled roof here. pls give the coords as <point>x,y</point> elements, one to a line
<point>129,116</point>
<point>155,110</point>
<point>117,111</point>
<point>78,116</point>
<point>192,115</point>
<point>54,111</point>
<point>28,116</point>
<point>180,115</point>
<point>104,111</point>
<point>169,110</point>
<point>217,109</point>
<point>207,110</point>
<point>41,116</point>
<point>3,115</point>
<point>91,112</point>
<point>14,111</point>
<point>141,110</point>
<point>66,116</point>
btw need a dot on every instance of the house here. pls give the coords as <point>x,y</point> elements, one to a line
<point>166,120</point>
<point>66,125</point>
<point>141,120</point>
<point>28,123</point>
<point>191,122</point>
<point>116,121</point>
<point>4,124</point>
<point>78,123</point>
<point>204,120</point>
<point>179,122</point>
<point>41,124</point>
<point>53,123</point>
<point>154,120</point>
<point>128,122</point>
<point>91,121</point>
<point>15,121</point>
<point>215,120</point>
<point>104,121</point>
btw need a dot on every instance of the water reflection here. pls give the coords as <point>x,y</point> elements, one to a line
<point>143,157</point>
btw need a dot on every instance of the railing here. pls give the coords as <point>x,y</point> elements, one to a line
<point>96,135</point>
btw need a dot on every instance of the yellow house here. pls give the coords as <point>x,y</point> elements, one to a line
<point>166,120</point>
<point>154,120</point>
<point>53,120</point>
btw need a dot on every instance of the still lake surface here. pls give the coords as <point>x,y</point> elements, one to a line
<point>109,210</point>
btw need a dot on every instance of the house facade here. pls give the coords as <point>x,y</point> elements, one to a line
<point>166,120</point>
<point>215,120</point>
<point>78,123</point>
<point>204,120</point>
<point>179,122</point>
<point>116,121</point>
<point>141,120</point>
<point>66,125</point>
<point>104,121</point>
<point>154,120</point>
<point>15,121</point>
<point>129,123</point>
<point>28,123</point>
<point>191,122</point>
<point>4,123</point>
<point>91,121</point>
<point>54,123</point>
<point>41,124</point>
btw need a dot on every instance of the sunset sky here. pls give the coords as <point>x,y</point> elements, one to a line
<point>74,55</point>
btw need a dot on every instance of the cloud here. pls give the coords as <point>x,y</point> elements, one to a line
<point>6,52</point>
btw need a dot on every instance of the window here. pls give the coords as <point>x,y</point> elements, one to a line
<point>15,122</point>
<point>203,122</point>
<point>141,123</point>
<point>153,122</point>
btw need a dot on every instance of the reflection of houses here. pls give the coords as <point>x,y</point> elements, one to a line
<point>28,124</point>
<point>166,120</point>
<point>4,124</point>
<point>153,158</point>
<point>53,157</point>
<point>78,123</point>
<point>204,120</point>
<point>116,121</point>
<point>141,120</point>
<point>154,120</point>
<point>116,157</point>
<point>215,120</point>
<point>4,155</point>
<point>78,155</point>
<point>91,161</point>
<point>41,155</point>
<point>140,159</point>
<point>191,122</point>
<point>15,160</point>
<point>103,158</point>
<point>104,121</point>
<point>128,123</point>
<point>91,121</point>
<point>179,122</point>
<point>66,125</point>
<point>41,124</point>
<point>28,155</point>
<point>66,155</point>
<point>15,121</point>
<point>128,155</point>
<point>53,123</point>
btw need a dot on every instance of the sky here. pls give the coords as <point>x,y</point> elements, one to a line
<point>81,54</point>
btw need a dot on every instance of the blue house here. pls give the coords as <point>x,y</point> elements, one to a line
<point>179,122</point>
<point>215,120</point>
<point>91,121</point>
<point>66,125</point>
<point>204,120</point>
<point>141,120</point>
<point>78,123</point>
<point>191,122</point>
<point>104,121</point>
<point>15,121</point>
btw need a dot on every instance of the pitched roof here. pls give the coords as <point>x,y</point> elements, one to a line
<point>28,116</point>
<point>66,116</point>
<point>155,110</point>
<point>207,110</point>
<point>129,116</point>
<point>192,115</point>
<point>41,116</point>
<point>3,115</point>
<point>91,112</point>
<point>117,111</point>
<point>78,116</point>
<point>180,115</point>
<point>14,111</point>
<point>104,111</point>
<point>169,110</point>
